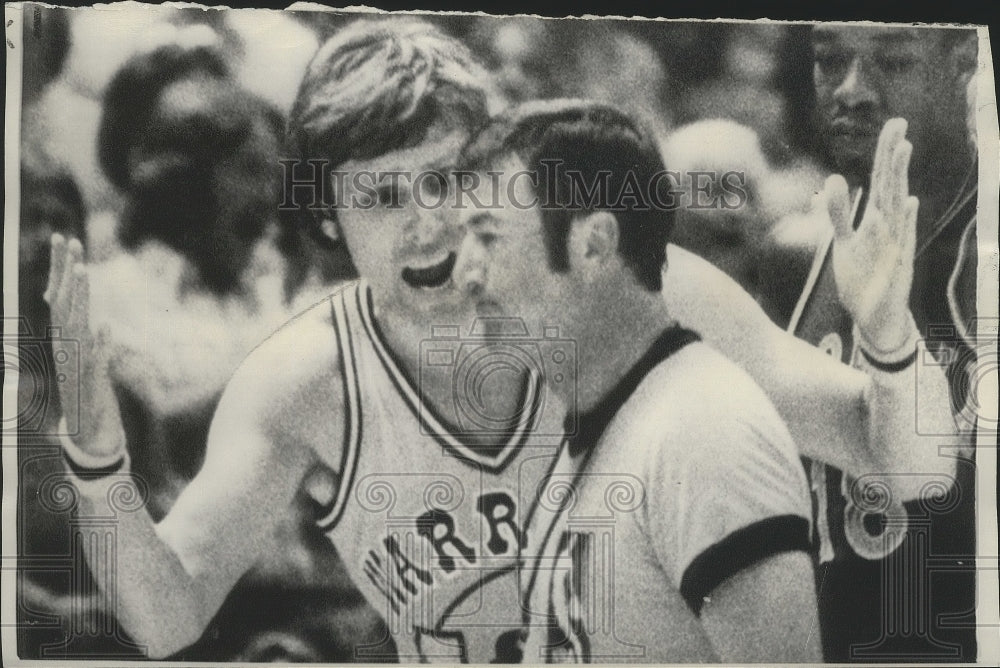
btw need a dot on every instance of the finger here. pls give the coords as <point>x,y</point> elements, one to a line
<point>899,188</point>
<point>901,175</point>
<point>838,205</point>
<point>57,259</point>
<point>65,297</point>
<point>72,256</point>
<point>75,250</point>
<point>892,132</point>
<point>102,350</point>
<point>77,322</point>
<point>103,339</point>
<point>909,245</point>
<point>878,162</point>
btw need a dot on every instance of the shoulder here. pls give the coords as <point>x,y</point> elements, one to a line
<point>703,412</point>
<point>693,285</point>
<point>704,298</point>
<point>713,455</point>
<point>289,388</point>
<point>699,385</point>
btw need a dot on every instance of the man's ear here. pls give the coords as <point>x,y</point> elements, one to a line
<point>322,228</point>
<point>593,240</point>
<point>329,229</point>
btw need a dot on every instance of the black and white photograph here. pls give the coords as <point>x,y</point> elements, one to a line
<point>343,335</point>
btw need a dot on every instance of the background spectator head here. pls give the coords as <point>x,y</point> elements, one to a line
<point>50,202</point>
<point>865,75</point>
<point>721,167</point>
<point>523,54</point>
<point>196,156</point>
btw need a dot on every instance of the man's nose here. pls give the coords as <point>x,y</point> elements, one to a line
<point>426,229</point>
<point>470,266</point>
<point>857,88</point>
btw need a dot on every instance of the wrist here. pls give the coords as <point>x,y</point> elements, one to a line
<point>894,347</point>
<point>894,338</point>
<point>88,464</point>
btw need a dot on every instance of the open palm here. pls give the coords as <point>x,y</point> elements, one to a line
<point>873,264</point>
<point>88,398</point>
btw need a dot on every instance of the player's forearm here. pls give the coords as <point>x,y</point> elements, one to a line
<point>910,417</point>
<point>144,583</point>
<point>822,400</point>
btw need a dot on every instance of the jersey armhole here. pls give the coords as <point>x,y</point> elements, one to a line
<point>330,515</point>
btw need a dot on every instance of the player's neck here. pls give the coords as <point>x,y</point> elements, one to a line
<point>403,334</point>
<point>613,340</point>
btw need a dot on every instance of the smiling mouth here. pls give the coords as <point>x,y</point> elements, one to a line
<point>433,276</point>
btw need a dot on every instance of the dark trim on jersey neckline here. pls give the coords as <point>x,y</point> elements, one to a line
<point>740,550</point>
<point>590,425</point>
<point>493,458</point>
<point>590,428</point>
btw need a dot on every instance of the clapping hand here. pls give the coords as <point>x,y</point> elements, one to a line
<point>87,396</point>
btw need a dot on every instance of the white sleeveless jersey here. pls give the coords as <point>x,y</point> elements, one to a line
<point>430,529</point>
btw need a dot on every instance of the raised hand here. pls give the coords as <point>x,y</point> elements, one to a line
<point>873,264</point>
<point>87,396</point>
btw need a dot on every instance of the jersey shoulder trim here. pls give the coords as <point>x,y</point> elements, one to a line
<point>352,407</point>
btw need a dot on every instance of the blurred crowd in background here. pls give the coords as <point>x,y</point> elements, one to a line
<point>153,135</point>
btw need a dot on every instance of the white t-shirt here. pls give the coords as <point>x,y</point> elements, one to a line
<point>681,477</point>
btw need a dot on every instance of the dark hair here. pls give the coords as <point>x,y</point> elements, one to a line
<point>587,140</point>
<point>132,96</point>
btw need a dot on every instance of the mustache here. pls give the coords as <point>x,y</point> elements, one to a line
<point>860,123</point>
<point>864,117</point>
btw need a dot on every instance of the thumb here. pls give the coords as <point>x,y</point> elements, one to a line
<point>838,205</point>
